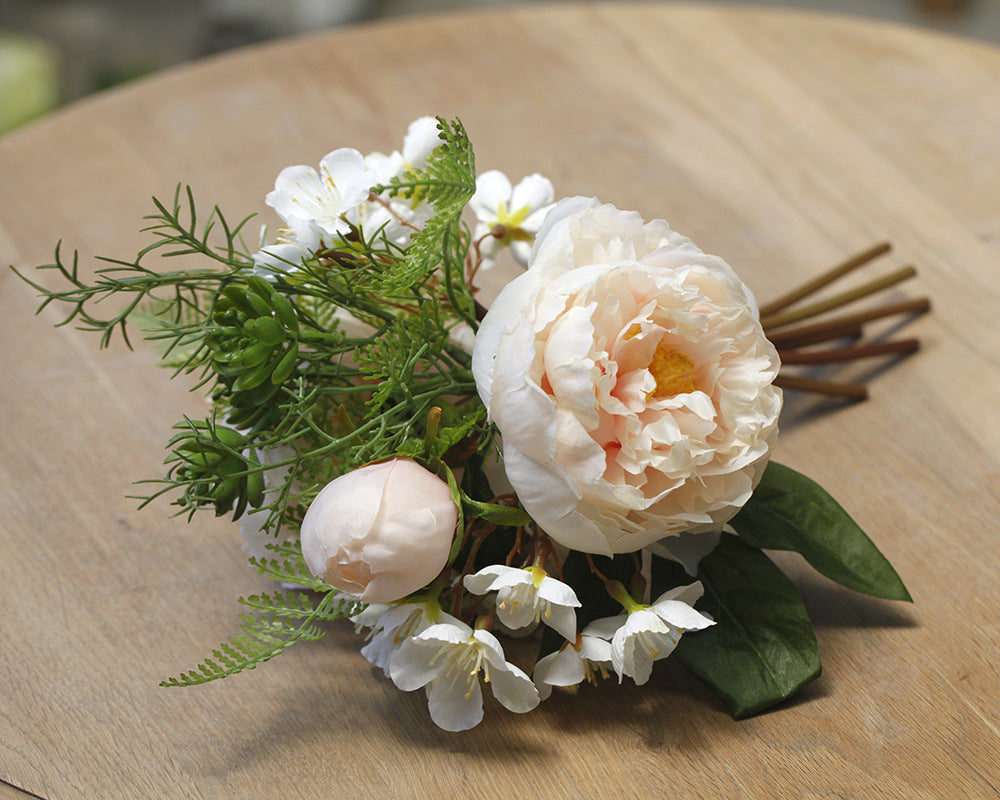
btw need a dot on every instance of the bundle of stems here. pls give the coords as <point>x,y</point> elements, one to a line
<point>782,320</point>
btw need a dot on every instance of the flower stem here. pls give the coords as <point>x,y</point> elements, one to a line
<point>843,299</point>
<point>825,279</point>
<point>900,347</point>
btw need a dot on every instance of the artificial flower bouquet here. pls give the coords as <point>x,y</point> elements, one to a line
<point>586,458</point>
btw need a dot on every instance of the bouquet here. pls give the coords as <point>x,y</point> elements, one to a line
<point>585,458</point>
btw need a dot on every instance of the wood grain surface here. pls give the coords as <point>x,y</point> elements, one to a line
<point>781,142</point>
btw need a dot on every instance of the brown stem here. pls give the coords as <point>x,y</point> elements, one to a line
<point>825,279</point>
<point>805,312</point>
<point>900,347</point>
<point>821,334</point>
<point>791,338</point>
<point>854,391</point>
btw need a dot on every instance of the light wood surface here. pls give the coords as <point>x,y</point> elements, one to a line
<point>782,142</point>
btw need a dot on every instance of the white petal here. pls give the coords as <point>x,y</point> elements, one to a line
<point>562,620</point>
<point>455,706</point>
<point>410,666</point>
<point>687,549</point>
<point>555,591</point>
<point>533,191</point>
<point>514,689</point>
<point>680,615</point>
<point>561,668</point>
<point>605,627</point>
<point>492,189</point>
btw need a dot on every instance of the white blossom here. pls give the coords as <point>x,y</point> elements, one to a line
<point>446,660</point>
<point>650,633</point>
<point>525,596</point>
<point>575,662</point>
<point>391,625</point>
<point>513,212</point>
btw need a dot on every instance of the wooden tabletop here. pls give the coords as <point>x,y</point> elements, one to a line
<point>780,141</point>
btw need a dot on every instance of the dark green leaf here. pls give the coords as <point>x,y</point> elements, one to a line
<point>788,511</point>
<point>762,648</point>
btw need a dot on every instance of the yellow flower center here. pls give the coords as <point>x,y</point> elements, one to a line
<point>673,371</point>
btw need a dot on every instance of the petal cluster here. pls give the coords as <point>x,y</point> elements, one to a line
<point>630,379</point>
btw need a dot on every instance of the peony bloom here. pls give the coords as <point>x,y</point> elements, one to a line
<point>516,210</point>
<point>650,633</point>
<point>380,532</point>
<point>446,658</point>
<point>630,380</point>
<point>525,596</point>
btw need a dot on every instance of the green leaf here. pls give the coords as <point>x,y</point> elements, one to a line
<point>762,648</point>
<point>496,513</point>
<point>788,511</point>
<point>268,634</point>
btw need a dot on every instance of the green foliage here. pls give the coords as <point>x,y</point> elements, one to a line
<point>283,619</point>
<point>788,511</point>
<point>339,358</point>
<point>762,648</point>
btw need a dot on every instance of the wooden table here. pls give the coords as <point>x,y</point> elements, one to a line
<point>780,141</point>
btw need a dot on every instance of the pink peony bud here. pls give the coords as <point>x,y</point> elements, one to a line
<point>380,532</point>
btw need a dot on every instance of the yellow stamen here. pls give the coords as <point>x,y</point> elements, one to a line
<point>673,371</point>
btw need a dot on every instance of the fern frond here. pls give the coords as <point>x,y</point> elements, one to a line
<point>267,635</point>
<point>448,181</point>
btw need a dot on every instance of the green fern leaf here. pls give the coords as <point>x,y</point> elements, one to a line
<point>268,634</point>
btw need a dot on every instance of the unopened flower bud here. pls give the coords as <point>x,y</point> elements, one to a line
<point>380,532</point>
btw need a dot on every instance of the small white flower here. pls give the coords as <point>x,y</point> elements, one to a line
<point>391,625</point>
<point>573,663</point>
<point>528,595</point>
<point>323,203</point>
<point>650,633</point>
<point>446,659</point>
<point>516,210</point>
<point>394,217</point>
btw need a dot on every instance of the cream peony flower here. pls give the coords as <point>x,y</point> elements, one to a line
<point>630,379</point>
<point>380,532</point>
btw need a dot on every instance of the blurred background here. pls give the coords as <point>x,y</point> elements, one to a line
<point>54,51</point>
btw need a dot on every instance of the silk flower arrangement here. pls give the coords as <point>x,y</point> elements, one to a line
<point>589,456</point>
